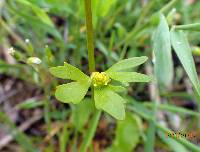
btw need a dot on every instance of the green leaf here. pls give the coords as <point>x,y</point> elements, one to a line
<point>41,14</point>
<point>163,56</point>
<point>72,92</point>
<point>191,27</point>
<point>183,51</point>
<point>127,64</point>
<point>116,88</point>
<point>110,102</point>
<point>36,23</point>
<point>30,104</point>
<point>146,114</point>
<point>123,141</point>
<point>175,109</point>
<point>68,72</point>
<point>64,138</point>
<point>103,7</point>
<point>129,77</point>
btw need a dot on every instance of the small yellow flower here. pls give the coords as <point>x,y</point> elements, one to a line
<point>100,78</point>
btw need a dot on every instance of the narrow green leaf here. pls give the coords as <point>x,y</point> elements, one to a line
<point>127,64</point>
<point>172,143</point>
<point>183,51</point>
<point>41,14</point>
<point>30,104</point>
<point>188,144</point>
<point>63,138</point>
<point>175,109</point>
<point>37,23</point>
<point>123,141</point>
<point>72,92</point>
<point>150,140</point>
<point>191,27</point>
<point>110,102</point>
<point>146,114</point>
<point>68,72</point>
<point>89,134</point>
<point>129,77</point>
<point>162,51</point>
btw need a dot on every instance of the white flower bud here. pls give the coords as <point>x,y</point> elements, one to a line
<point>11,51</point>
<point>33,60</point>
<point>27,40</point>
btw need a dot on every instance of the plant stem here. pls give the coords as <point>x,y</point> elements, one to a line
<point>90,38</point>
<point>90,45</point>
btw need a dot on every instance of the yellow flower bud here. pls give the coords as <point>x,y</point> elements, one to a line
<point>100,78</point>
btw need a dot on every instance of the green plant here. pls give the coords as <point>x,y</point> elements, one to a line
<point>46,32</point>
<point>105,95</point>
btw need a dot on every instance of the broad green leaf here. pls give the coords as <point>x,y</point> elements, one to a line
<point>110,102</point>
<point>72,92</point>
<point>103,7</point>
<point>163,56</point>
<point>123,141</point>
<point>41,14</point>
<point>68,72</point>
<point>183,51</point>
<point>129,77</point>
<point>116,88</point>
<point>127,64</point>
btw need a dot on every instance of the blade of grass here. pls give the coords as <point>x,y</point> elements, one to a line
<point>136,31</point>
<point>91,131</point>
<point>174,109</point>
<point>172,143</point>
<point>168,6</point>
<point>63,138</point>
<point>154,92</point>
<point>191,27</point>
<point>145,113</point>
<point>14,35</point>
